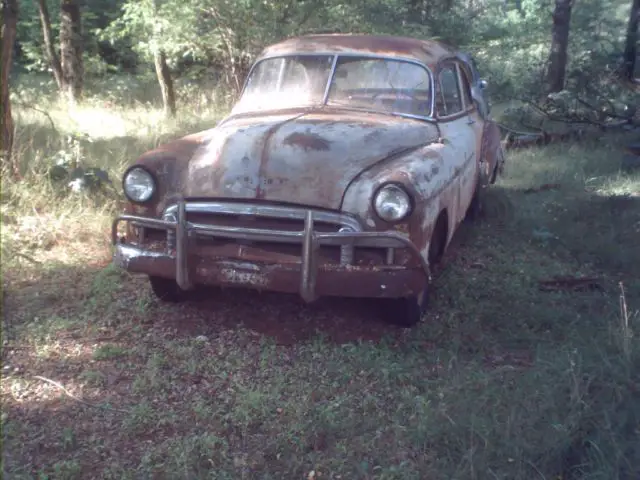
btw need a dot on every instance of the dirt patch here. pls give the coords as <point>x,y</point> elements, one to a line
<point>284,318</point>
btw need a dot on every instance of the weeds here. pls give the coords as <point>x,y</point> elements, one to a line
<point>503,380</point>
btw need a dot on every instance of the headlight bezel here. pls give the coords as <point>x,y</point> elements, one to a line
<point>404,189</point>
<point>153,179</point>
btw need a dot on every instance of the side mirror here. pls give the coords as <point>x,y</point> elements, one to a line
<point>483,84</point>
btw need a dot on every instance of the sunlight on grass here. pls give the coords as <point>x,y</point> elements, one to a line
<point>620,186</point>
<point>42,220</point>
<point>577,165</point>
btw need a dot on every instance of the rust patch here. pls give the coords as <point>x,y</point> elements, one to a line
<point>307,141</point>
<point>428,52</point>
<point>402,228</point>
<point>490,146</point>
<point>264,156</point>
<point>367,281</point>
<point>166,162</point>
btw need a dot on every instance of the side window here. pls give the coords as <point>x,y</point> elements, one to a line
<point>449,100</point>
<point>466,87</point>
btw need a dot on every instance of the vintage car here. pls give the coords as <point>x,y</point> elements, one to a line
<point>344,169</point>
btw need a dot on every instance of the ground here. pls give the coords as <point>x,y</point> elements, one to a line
<point>507,377</point>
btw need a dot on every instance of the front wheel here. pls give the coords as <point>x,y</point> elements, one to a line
<point>407,312</point>
<point>168,290</point>
<point>474,212</point>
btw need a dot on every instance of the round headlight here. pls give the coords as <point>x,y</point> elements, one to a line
<point>392,203</point>
<point>139,185</point>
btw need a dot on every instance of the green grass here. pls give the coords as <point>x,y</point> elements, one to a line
<point>501,381</point>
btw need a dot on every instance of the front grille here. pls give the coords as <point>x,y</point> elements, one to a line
<point>274,218</point>
<point>255,221</point>
<point>327,254</point>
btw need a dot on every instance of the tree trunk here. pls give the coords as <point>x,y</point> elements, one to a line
<point>166,83</point>
<point>630,55</point>
<point>9,23</point>
<point>559,45</point>
<point>71,49</point>
<point>54,61</point>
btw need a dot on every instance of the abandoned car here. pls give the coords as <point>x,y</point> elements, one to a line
<point>344,169</point>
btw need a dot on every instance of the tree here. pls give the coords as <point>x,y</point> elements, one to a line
<point>630,56</point>
<point>71,49</point>
<point>559,45</point>
<point>166,82</point>
<point>54,60</point>
<point>148,21</point>
<point>9,26</point>
<point>160,61</point>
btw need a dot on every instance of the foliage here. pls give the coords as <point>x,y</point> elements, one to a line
<point>67,169</point>
<point>96,14</point>
<point>217,39</point>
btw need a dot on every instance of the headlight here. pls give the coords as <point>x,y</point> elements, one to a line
<point>392,203</point>
<point>139,185</point>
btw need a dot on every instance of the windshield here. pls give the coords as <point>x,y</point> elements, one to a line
<point>283,82</point>
<point>379,84</point>
<point>392,86</point>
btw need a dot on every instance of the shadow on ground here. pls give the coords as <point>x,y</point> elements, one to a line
<point>250,367</point>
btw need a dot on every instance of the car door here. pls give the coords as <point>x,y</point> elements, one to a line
<point>478,90</point>
<point>477,120</point>
<point>459,124</point>
<point>488,137</point>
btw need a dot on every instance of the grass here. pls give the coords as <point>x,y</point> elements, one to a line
<point>501,381</point>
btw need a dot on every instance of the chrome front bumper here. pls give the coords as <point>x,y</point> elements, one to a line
<point>176,263</point>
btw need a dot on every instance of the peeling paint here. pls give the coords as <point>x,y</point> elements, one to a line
<point>124,255</point>
<point>424,51</point>
<point>239,277</point>
<point>310,157</point>
<point>307,141</point>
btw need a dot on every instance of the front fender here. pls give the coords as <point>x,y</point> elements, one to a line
<point>424,175</point>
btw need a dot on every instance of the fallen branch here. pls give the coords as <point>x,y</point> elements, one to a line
<point>576,119</point>
<point>28,258</point>
<point>543,188</point>
<point>111,338</point>
<point>77,399</point>
<point>511,130</point>
<point>633,148</point>
<point>571,283</point>
<point>53,125</point>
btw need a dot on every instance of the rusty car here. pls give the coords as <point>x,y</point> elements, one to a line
<point>344,168</point>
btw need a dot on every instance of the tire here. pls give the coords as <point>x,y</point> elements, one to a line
<point>494,175</point>
<point>167,290</point>
<point>438,241</point>
<point>474,212</point>
<point>407,312</point>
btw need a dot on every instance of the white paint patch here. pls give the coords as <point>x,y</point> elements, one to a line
<point>425,251</point>
<point>238,277</point>
<point>124,254</point>
<point>252,267</point>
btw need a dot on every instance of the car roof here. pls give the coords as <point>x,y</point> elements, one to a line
<point>428,52</point>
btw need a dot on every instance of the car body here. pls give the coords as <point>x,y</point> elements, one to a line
<point>344,169</point>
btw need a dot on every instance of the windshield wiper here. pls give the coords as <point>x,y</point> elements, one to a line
<point>373,110</point>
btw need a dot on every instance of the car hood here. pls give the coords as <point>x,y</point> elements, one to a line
<point>306,158</point>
